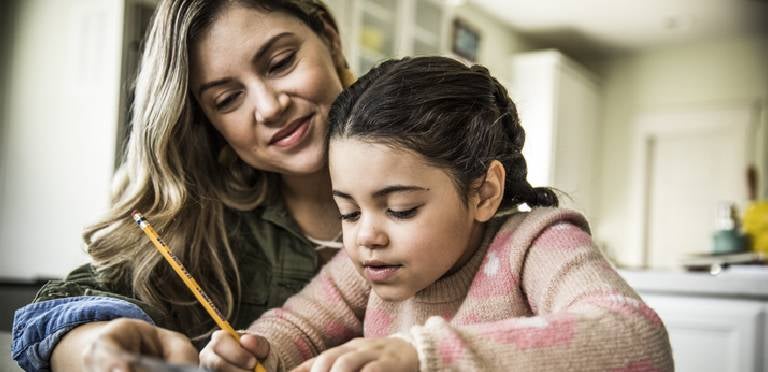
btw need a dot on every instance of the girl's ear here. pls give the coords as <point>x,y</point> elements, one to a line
<point>488,192</point>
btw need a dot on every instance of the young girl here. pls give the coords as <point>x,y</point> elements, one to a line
<point>438,271</point>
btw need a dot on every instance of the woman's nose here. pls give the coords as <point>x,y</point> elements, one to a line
<point>370,235</point>
<point>269,103</point>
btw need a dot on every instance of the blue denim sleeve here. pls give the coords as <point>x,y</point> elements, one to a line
<point>38,327</point>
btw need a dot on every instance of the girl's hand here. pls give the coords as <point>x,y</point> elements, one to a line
<point>365,354</point>
<point>224,353</point>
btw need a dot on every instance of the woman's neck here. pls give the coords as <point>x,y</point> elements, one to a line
<point>308,199</point>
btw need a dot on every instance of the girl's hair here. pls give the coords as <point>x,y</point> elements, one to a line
<point>180,173</point>
<point>457,118</point>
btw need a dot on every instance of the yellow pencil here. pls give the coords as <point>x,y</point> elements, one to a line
<point>175,263</point>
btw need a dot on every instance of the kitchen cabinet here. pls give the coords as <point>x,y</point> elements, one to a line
<point>715,323</point>
<point>557,101</point>
<point>375,30</point>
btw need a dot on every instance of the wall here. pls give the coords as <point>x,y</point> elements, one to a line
<point>7,25</point>
<point>715,72</point>
<point>497,41</point>
<point>58,130</point>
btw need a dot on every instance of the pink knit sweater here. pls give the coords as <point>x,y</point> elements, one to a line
<point>536,296</point>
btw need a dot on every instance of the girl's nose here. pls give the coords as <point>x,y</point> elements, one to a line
<point>370,235</point>
<point>269,104</point>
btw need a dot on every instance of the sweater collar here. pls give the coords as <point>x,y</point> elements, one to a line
<point>455,286</point>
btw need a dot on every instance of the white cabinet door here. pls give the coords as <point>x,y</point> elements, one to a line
<point>557,101</point>
<point>718,335</point>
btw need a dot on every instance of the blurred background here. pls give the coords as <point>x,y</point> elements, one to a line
<point>650,116</point>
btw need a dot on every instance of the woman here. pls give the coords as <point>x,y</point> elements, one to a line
<point>226,159</point>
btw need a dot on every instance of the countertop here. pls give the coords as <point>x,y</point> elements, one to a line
<point>752,284</point>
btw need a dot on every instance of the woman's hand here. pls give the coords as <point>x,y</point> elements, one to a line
<point>224,353</point>
<point>104,346</point>
<point>365,354</point>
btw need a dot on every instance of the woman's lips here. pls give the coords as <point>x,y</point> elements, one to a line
<point>292,134</point>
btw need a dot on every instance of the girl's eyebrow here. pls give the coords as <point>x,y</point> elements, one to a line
<point>263,49</point>
<point>383,192</point>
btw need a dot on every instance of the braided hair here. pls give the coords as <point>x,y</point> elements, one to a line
<point>457,118</point>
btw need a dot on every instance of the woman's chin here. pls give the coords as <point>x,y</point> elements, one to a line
<point>306,168</point>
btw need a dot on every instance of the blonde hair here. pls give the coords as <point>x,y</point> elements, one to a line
<point>180,173</point>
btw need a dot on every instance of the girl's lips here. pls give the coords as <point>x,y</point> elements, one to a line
<point>292,134</point>
<point>381,273</point>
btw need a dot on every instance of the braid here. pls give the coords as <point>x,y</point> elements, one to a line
<point>517,189</point>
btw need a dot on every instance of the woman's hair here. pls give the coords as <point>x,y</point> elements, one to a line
<point>180,173</point>
<point>457,118</point>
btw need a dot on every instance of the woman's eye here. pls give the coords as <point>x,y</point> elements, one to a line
<point>403,214</point>
<point>282,63</point>
<point>224,103</point>
<point>349,216</point>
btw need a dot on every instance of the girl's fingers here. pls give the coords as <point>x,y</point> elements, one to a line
<point>324,361</point>
<point>255,344</point>
<point>216,363</point>
<point>224,353</point>
<point>376,366</point>
<point>355,360</point>
<point>305,366</point>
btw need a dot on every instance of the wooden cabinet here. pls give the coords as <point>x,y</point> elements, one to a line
<point>557,100</point>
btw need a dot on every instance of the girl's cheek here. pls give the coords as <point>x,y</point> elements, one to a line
<point>350,251</point>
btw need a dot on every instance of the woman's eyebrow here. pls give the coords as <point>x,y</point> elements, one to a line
<point>263,50</point>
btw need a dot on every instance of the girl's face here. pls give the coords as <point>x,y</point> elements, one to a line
<point>266,82</point>
<point>404,223</point>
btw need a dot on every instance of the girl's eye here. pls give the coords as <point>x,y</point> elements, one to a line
<point>350,216</point>
<point>282,63</point>
<point>402,215</point>
<point>227,101</point>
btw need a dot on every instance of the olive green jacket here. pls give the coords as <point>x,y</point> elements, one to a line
<point>274,258</point>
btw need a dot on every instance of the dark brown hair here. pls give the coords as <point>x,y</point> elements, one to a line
<point>457,118</point>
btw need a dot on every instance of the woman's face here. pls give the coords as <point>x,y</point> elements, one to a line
<point>266,82</point>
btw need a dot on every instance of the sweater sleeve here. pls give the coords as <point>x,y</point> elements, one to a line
<point>584,315</point>
<point>326,313</point>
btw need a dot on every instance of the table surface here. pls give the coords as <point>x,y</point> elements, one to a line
<point>725,284</point>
